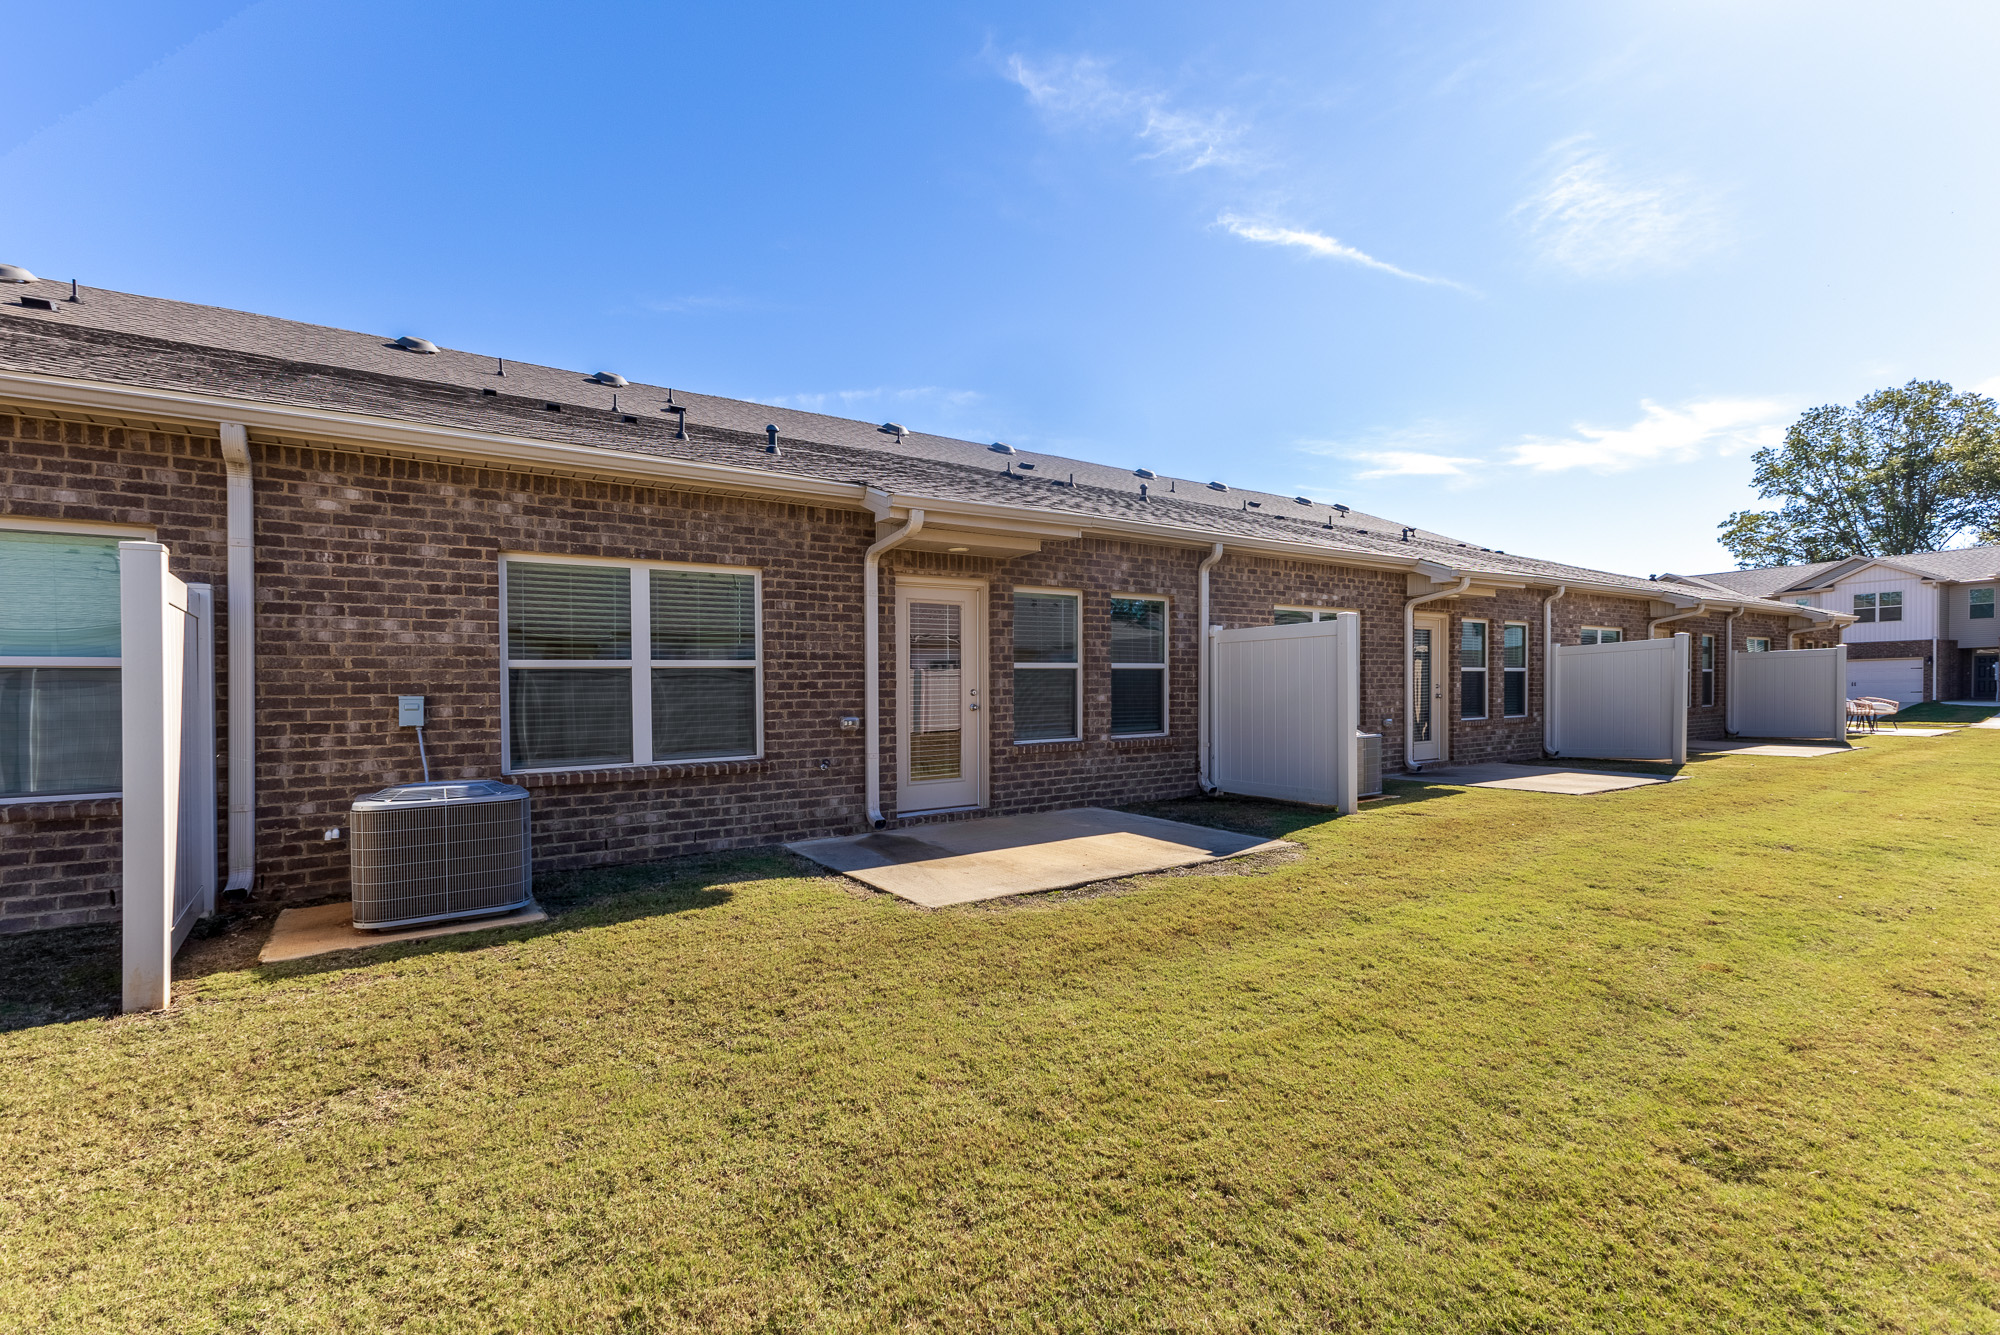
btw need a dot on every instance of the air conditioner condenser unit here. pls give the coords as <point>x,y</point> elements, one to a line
<point>431,852</point>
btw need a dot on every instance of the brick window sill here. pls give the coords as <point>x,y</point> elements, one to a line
<point>574,778</point>
<point>20,813</point>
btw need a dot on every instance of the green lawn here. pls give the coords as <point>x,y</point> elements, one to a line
<point>1710,1056</point>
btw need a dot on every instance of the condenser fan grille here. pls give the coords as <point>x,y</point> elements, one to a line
<point>420,858</point>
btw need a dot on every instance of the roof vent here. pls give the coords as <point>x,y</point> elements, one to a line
<point>552,407</point>
<point>1302,500</point>
<point>411,343</point>
<point>38,303</point>
<point>997,448</point>
<point>1341,508</point>
<point>1253,505</point>
<point>1146,473</point>
<point>1218,486</point>
<point>490,393</point>
<point>893,429</point>
<point>14,273</point>
<point>1025,465</point>
<point>611,378</point>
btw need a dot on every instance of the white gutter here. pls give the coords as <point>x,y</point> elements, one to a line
<point>871,657</point>
<point>1549,738</point>
<point>1201,673</point>
<point>242,575</point>
<point>1409,656</point>
<point>1729,678</point>
<point>1694,611</point>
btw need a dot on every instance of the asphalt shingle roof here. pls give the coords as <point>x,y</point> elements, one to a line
<point>1960,565</point>
<point>120,338</point>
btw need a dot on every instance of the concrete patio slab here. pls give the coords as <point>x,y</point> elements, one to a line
<point>302,933</point>
<point>1759,747</point>
<point>968,861</point>
<point>1535,779</point>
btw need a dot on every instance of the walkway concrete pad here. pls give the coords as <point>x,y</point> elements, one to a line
<point>1904,732</point>
<point>1534,779</point>
<point>1755,747</point>
<point>301,933</point>
<point>967,861</point>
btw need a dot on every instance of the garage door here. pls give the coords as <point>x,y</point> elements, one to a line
<point>1900,679</point>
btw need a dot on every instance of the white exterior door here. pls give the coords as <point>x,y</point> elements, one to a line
<point>1428,715</point>
<point>941,670</point>
<point>1898,679</point>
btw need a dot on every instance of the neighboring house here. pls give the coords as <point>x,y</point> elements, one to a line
<point>1924,626</point>
<point>652,607</point>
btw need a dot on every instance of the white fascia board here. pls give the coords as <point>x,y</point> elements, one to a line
<point>333,427</point>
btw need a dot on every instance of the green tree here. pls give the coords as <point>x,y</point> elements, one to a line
<point>1904,470</point>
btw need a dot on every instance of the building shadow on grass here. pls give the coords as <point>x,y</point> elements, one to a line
<point>73,973</point>
<point>1269,819</point>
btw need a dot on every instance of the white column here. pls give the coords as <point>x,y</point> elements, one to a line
<point>152,625</point>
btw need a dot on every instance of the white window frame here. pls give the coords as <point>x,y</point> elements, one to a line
<point>1972,603</point>
<point>1527,658</point>
<point>1705,672</point>
<point>1597,633</point>
<point>1076,597</point>
<point>1314,614</point>
<point>1164,666</point>
<point>1756,644</point>
<point>1864,608</point>
<point>640,665</point>
<point>1883,606</point>
<point>1485,663</point>
<point>66,528</point>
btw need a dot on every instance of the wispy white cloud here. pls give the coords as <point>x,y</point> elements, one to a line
<point>1413,463</point>
<point>1592,219</point>
<point>1318,243</point>
<point>1079,90</point>
<point>848,400</point>
<point>1707,429</point>
<point>1990,387</point>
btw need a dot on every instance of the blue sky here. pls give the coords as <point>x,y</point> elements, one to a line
<point>1539,276</point>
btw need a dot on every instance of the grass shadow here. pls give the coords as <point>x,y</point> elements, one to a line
<point>74,973</point>
<point>1269,819</point>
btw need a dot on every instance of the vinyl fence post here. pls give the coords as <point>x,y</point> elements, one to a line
<point>1347,712</point>
<point>149,629</point>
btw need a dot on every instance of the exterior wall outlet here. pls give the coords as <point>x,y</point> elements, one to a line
<point>849,723</point>
<point>409,711</point>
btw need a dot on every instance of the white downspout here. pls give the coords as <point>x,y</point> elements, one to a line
<point>871,658</point>
<point>1549,738</point>
<point>1201,674</point>
<point>1409,656</point>
<point>242,660</point>
<point>1729,676</point>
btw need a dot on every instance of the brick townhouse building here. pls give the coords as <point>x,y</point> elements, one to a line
<point>662,612</point>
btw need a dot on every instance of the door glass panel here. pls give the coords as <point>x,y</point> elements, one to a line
<point>1420,673</point>
<point>936,691</point>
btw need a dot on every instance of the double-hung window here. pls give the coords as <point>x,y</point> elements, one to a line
<point>1864,607</point>
<point>1980,604</point>
<point>1889,607</point>
<point>1514,669</point>
<point>1472,669</point>
<point>1138,667</point>
<point>630,664</point>
<point>1756,645</point>
<point>1601,635</point>
<point>1048,675</point>
<point>1707,670</point>
<point>60,704</point>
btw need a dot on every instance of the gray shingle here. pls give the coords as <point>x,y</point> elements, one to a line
<point>120,338</point>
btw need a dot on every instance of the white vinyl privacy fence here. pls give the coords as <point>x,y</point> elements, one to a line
<point>1792,693</point>
<point>167,695</point>
<point>1624,701</point>
<point>1284,706</point>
